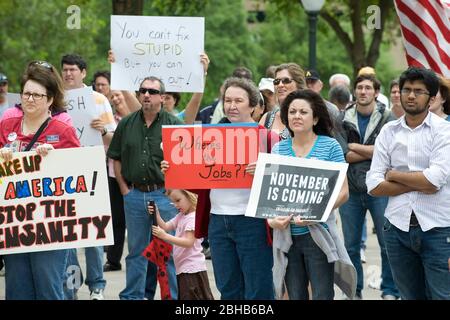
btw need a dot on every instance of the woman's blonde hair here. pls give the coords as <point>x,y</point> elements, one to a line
<point>192,197</point>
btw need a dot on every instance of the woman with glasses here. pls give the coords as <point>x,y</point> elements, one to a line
<point>37,275</point>
<point>58,113</point>
<point>306,252</point>
<point>288,78</point>
<point>441,103</point>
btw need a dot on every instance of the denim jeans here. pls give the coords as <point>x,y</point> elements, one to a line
<point>35,275</point>
<point>241,258</point>
<point>140,280</point>
<point>364,235</point>
<point>94,271</point>
<point>308,263</point>
<point>94,268</point>
<point>352,214</point>
<point>419,261</point>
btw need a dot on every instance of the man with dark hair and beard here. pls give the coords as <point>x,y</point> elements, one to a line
<point>362,124</point>
<point>411,165</point>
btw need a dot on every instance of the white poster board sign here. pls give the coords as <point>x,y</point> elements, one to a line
<point>290,185</point>
<point>81,107</point>
<point>168,48</point>
<point>54,202</point>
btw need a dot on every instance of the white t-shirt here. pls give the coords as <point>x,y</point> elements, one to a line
<point>231,202</point>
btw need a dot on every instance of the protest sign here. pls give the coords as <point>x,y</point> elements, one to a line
<point>290,185</point>
<point>209,156</point>
<point>82,110</point>
<point>54,202</point>
<point>168,48</point>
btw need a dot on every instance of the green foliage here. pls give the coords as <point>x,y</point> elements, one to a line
<point>46,36</point>
<point>228,41</point>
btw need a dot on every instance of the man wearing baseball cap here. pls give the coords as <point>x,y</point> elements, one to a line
<point>314,83</point>
<point>3,93</point>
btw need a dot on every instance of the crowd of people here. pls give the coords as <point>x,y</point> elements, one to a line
<point>397,149</point>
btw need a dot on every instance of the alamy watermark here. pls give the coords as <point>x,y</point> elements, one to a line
<point>374,20</point>
<point>74,20</point>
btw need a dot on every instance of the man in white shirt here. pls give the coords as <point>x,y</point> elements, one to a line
<point>411,165</point>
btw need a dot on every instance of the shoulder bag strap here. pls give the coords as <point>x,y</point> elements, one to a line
<point>37,134</point>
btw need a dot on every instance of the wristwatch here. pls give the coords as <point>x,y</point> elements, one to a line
<point>104,131</point>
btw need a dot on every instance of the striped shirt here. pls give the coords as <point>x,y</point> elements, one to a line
<point>426,149</point>
<point>325,148</point>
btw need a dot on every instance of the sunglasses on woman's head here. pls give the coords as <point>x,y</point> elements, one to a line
<point>44,64</point>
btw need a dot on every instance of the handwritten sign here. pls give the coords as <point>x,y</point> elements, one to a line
<point>54,202</point>
<point>81,107</point>
<point>289,185</point>
<point>165,47</point>
<point>209,156</point>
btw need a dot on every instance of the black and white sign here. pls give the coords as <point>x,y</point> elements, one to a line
<point>289,185</point>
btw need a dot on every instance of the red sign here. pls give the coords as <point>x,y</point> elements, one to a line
<point>209,157</point>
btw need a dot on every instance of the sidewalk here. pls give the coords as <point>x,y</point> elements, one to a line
<point>116,279</point>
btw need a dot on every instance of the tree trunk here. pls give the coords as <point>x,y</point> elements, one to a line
<point>128,7</point>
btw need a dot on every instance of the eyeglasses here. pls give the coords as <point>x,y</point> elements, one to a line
<point>36,96</point>
<point>282,80</point>
<point>417,92</point>
<point>44,64</point>
<point>150,91</point>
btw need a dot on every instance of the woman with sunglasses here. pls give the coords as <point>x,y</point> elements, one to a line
<point>37,275</point>
<point>288,78</point>
<point>60,114</point>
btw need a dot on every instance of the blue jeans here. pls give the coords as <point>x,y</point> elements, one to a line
<point>94,270</point>
<point>140,280</point>
<point>419,261</point>
<point>352,214</point>
<point>364,235</point>
<point>35,275</point>
<point>241,258</point>
<point>308,263</point>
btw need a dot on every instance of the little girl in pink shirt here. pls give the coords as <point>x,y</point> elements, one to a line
<point>190,264</point>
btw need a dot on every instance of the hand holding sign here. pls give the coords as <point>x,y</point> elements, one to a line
<point>43,149</point>
<point>164,166</point>
<point>6,154</point>
<point>280,222</point>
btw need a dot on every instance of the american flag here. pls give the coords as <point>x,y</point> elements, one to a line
<point>425,26</point>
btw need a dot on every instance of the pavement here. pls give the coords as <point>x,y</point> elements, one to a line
<point>116,279</point>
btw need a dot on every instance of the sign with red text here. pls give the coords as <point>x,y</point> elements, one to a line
<point>210,156</point>
<point>168,48</point>
<point>54,202</point>
<point>285,185</point>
